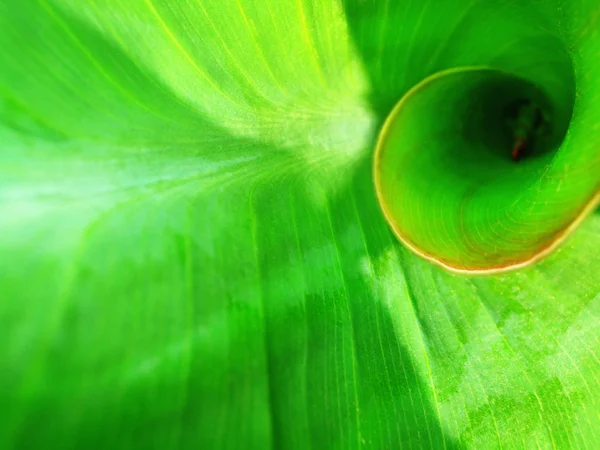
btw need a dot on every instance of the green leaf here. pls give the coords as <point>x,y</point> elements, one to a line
<point>192,253</point>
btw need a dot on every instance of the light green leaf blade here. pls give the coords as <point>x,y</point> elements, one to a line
<point>193,255</point>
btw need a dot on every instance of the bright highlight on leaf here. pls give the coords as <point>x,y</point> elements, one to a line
<point>193,253</point>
